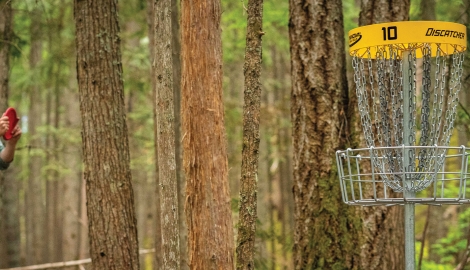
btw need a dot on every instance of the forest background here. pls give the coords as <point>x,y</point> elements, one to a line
<point>46,193</point>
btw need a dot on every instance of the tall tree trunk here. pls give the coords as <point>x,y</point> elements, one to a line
<point>176,45</point>
<point>54,185</point>
<point>327,231</point>
<point>9,198</point>
<point>71,188</point>
<point>168,187</point>
<point>35,212</point>
<point>158,226</point>
<point>207,209</point>
<point>250,152</point>
<point>383,227</point>
<point>110,200</point>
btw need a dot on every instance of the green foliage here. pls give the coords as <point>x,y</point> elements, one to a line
<point>350,15</point>
<point>451,247</point>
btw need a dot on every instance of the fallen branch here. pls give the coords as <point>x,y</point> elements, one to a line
<point>66,264</point>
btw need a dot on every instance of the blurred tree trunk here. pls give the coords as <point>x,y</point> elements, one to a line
<point>71,187</point>
<point>207,208</point>
<point>383,227</point>
<point>9,196</point>
<point>433,230</point>
<point>251,138</point>
<point>35,213</point>
<point>165,126</point>
<point>84,247</point>
<point>158,226</point>
<point>6,35</point>
<point>283,142</point>
<point>110,200</point>
<point>132,28</point>
<point>319,103</point>
<point>54,185</point>
<point>428,10</point>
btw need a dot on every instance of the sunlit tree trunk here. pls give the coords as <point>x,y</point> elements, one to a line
<point>110,201</point>
<point>251,138</point>
<point>207,206</point>
<point>383,227</point>
<point>165,126</point>
<point>319,102</point>
<point>158,260</point>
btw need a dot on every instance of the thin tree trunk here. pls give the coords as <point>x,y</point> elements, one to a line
<point>251,138</point>
<point>168,186</point>
<point>54,228</point>
<point>319,102</point>
<point>428,13</point>
<point>110,199</point>
<point>207,208</point>
<point>9,199</point>
<point>84,250</point>
<point>158,227</point>
<point>71,187</point>
<point>176,45</point>
<point>270,178</point>
<point>35,218</point>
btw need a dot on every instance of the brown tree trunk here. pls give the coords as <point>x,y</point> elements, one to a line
<point>35,212</point>
<point>54,185</point>
<point>168,186</point>
<point>383,227</point>
<point>72,222</point>
<point>176,45</point>
<point>250,152</point>
<point>327,231</point>
<point>9,193</point>
<point>110,200</point>
<point>428,10</point>
<point>208,210</point>
<point>380,11</point>
<point>158,226</point>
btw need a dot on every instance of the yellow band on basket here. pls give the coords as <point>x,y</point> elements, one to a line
<point>448,37</point>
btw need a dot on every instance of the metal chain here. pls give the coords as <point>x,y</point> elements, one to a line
<point>431,110</point>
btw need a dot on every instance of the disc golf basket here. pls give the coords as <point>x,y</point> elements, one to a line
<point>407,77</point>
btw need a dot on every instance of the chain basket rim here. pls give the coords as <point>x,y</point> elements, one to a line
<point>450,184</point>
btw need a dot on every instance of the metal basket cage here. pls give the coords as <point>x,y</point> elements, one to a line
<point>364,183</point>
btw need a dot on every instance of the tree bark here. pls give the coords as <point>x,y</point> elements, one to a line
<point>9,193</point>
<point>327,231</point>
<point>168,187</point>
<point>383,227</point>
<point>250,152</point>
<point>158,226</point>
<point>380,11</point>
<point>207,209</point>
<point>110,202</point>
<point>176,45</point>
<point>428,10</point>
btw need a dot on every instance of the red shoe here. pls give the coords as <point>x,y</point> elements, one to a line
<point>13,119</point>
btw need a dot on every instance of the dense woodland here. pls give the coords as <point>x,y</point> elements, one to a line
<point>165,141</point>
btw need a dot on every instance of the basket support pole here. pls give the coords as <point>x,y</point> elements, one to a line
<point>408,164</point>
